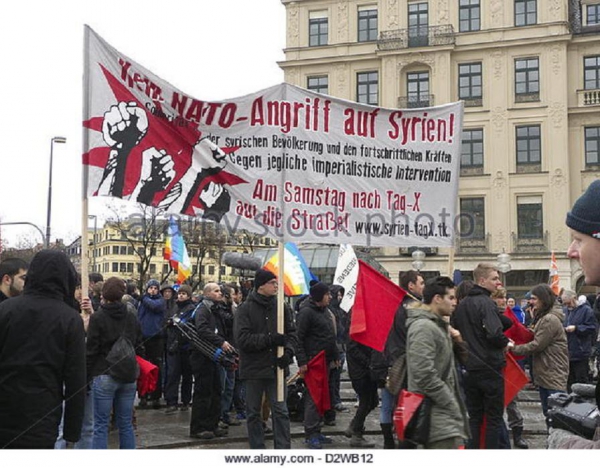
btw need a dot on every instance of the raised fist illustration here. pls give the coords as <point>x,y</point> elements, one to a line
<point>211,194</point>
<point>156,174</point>
<point>124,125</point>
<point>207,155</point>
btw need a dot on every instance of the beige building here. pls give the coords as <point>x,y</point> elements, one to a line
<point>113,254</point>
<point>529,74</point>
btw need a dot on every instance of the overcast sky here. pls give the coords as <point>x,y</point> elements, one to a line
<point>211,50</point>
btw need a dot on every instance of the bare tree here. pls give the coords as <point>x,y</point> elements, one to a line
<point>143,231</point>
<point>206,240</point>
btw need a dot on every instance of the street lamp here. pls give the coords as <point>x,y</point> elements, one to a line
<point>418,260</point>
<point>503,265</point>
<point>57,139</point>
<point>94,242</point>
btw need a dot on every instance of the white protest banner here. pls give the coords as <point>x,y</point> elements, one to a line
<point>283,162</point>
<point>346,275</point>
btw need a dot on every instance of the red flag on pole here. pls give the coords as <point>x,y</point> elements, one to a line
<point>316,379</point>
<point>554,282</point>
<point>377,299</point>
<point>514,379</point>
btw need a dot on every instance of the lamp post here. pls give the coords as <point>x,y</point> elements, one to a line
<point>94,242</point>
<point>418,260</point>
<point>57,139</point>
<point>503,265</point>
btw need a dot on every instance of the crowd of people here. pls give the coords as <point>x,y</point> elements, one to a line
<point>61,387</point>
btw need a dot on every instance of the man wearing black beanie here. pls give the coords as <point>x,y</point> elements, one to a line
<point>316,332</point>
<point>584,221</point>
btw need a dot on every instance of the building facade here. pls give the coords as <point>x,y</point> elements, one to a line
<point>528,72</point>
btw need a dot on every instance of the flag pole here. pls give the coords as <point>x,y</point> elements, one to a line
<point>84,168</point>
<point>280,318</point>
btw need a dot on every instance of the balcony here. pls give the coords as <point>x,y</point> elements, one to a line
<point>588,97</point>
<point>471,245</point>
<point>530,245</point>
<point>415,102</point>
<point>422,36</point>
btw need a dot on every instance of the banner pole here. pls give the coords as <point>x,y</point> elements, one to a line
<point>280,318</point>
<point>451,263</point>
<point>84,168</point>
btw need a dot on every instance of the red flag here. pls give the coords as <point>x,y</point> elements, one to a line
<point>316,379</point>
<point>408,404</point>
<point>554,280</point>
<point>377,299</point>
<point>519,333</point>
<point>148,378</point>
<point>514,379</point>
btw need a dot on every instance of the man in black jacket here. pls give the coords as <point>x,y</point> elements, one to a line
<point>13,272</point>
<point>206,404</point>
<point>42,357</point>
<point>476,318</point>
<point>316,333</point>
<point>255,331</point>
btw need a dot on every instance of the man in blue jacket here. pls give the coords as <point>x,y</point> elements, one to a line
<point>152,314</point>
<point>580,325</point>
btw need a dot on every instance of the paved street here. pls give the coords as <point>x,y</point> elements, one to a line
<point>156,430</point>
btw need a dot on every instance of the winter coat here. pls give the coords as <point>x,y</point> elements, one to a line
<point>254,322</point>
<point>316,332</point>
<point>580,341</point>
<point>549,351</point>
<point>176,342</point>
<point>42,357</point>
<point>432,372</point>
<point>477,320</point>
<point>395,344</point>
<point>152,313</point>
<point>112,320</point>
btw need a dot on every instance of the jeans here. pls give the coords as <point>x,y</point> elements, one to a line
<point>227,384</point>
<point>544,394</point>
<point>255,388</point>
<point>484,390</point>
<point>109,393</point>
<point>239,394</point>
<point>388,405</point>
<point>87,427</point>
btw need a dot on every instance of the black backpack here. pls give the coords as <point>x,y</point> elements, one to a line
<point>121,358</point>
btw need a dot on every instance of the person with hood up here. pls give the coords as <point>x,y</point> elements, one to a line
<point>342,330</point>
<point>111,321</point>
<point>152,313</point>
<point>42,357</point>
<point>316,333</point>
<point>178,355</point>
<point>549,345</point>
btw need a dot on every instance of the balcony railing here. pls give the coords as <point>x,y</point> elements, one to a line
<point>470,245</point>
<point>414,102</point>
<point>588,97</point>
<point>530,245</point>
<point>421,36</point>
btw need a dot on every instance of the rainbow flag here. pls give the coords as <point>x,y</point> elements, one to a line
<point>297,276</point>
<point>176,252</point>
<point>554,279</point>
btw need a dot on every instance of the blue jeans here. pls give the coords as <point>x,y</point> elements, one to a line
<point>388,402</point>
<point>87,428</point>
<point>108,393</point>
<point>255,389</point>
<point>544,394</point>
<point>227,384</point>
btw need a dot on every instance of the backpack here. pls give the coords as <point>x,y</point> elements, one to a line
<point>296,392</point>
<point>121,358</point>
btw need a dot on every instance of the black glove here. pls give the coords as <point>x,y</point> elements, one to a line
<point>285,360</point>
<point>277,339</point>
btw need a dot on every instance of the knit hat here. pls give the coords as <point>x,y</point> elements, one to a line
<point>187,289</point>
<point>113,289</point>
<point>318,291</point>
<point>166,286</point>
<point>152,282</point>
<point>263,276</point>
<point>584,217</point>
